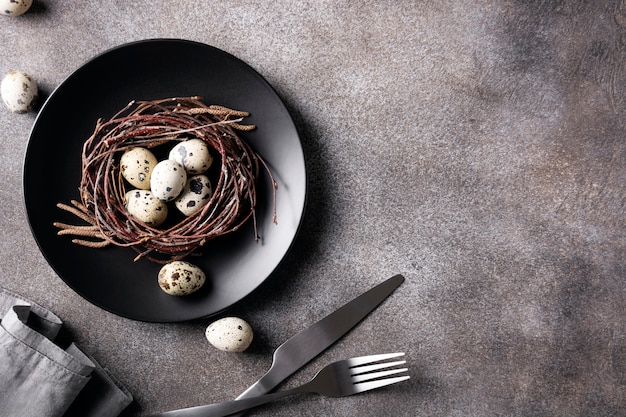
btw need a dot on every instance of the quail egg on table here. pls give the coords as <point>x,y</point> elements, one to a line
<point>19,91</point>
<point>193,154</point>
<point>136,165</point>
<point>167,180</point>
<point>230,334</point>
<point>146,208</point>
<point>195,195</point>
<point>181,278</point>
<point>14,7</point>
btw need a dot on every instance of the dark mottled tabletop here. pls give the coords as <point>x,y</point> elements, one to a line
<point>477,147</point>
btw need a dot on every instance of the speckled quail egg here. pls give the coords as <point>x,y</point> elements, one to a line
<point>146,208</point>
<point>195,195</point>
<point>193,154</point>
<point>14,7</point>
<point>230,334</point>
<point>19,91</point>
<point>167,180</point>
<point>136,165</point>
<point>181,278</point>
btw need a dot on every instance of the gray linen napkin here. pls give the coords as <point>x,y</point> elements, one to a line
<point>38,378</point>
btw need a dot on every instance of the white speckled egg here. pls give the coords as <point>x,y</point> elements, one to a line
<point>19,91</point>
<point>180,278</point>
<point>136,165</point>
<point>14,7</point>
<point>196,194</point>
<point>143,206</point>
<point>230,334</point>
<point>193,154</point>
<point>167,180</point>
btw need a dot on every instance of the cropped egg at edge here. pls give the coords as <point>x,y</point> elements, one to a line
<point>14,7</point>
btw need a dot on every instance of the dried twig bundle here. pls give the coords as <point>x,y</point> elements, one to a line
<point>150,124</point>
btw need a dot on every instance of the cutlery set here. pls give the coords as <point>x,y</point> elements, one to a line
<point>339,379</point>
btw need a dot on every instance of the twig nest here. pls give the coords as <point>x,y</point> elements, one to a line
<point>19,91</point>
<point>181,278</point>
<point>14,7</point>
<point>158,125</point>
<point>230,334</point>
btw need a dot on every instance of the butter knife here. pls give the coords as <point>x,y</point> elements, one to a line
<point>310,342</point>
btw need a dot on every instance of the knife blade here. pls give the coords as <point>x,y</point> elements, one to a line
<point>310,342</point>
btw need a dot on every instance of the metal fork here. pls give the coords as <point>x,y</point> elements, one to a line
<point>339,379</point>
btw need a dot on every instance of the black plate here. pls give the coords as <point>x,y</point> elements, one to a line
<point>109,278</point>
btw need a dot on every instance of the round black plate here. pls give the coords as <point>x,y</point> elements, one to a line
<point>236,264</point>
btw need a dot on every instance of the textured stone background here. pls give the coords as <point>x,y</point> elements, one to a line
<point>477,147</point>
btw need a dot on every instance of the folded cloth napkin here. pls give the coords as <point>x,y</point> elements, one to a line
<point>39,378</point>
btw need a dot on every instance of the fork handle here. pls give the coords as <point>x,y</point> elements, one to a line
<point>227,408</point>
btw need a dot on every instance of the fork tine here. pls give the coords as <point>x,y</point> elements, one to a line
<point>366,386</point>
<point>357,370</point>
<point>363,360</point>
<point>376,375</point>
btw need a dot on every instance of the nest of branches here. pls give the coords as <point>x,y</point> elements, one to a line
<point>151,124</point>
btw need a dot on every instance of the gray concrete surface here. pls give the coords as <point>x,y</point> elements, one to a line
<point>477,147</point>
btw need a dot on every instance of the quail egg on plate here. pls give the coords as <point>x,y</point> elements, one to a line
<point>181,278</point>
